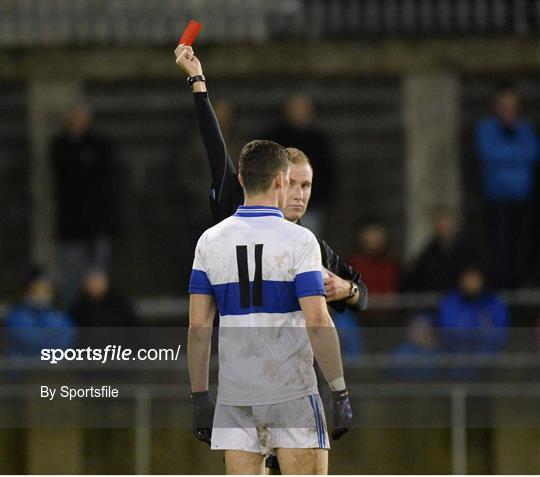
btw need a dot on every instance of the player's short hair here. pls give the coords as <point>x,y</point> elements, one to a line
<point>260,162</point>
<point>296,156</point>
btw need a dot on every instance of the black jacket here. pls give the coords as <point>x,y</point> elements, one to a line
<point>226,195</point>
<point>82,171</point>
<point>112,310</point>
<point>437,269</point>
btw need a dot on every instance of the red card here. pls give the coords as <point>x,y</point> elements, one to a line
<point>192,29</point>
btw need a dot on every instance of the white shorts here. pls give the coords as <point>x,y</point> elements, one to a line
<point>296,424</point>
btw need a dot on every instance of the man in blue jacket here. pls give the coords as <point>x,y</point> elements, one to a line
<point>508,148</point>
<point>472,321</point>
<point>35,323</point>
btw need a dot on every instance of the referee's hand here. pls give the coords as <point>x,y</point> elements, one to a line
<point>336,288</point>
<point>187,61</point>
<point>203,416</point>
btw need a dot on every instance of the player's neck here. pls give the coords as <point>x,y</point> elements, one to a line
<point>265,200</point>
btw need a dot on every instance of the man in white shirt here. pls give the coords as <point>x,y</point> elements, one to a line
<point>263,274</point>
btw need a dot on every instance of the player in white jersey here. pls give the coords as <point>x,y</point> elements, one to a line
<point>263,274</point>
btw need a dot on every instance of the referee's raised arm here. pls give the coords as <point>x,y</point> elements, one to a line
<point>344,286</point>
<point>226,192</point>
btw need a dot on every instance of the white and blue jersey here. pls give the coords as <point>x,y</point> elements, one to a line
<point>257,265</point>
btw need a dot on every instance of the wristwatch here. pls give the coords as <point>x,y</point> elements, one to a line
<point>194,79</point>
<point>354,289</point>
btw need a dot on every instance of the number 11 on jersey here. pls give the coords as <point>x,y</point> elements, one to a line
<point>246,300</point>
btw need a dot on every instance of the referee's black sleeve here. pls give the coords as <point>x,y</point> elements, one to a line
<point>226,193</point>
<point>333,262</point>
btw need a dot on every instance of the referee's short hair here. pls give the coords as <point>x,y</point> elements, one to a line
<point>260,162</point>
<point>296,156</point>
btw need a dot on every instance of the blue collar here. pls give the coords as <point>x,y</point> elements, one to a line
<point>258,211</point>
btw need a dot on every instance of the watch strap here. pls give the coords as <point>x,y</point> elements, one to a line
<point>194,79</point>
<point>354,289</point>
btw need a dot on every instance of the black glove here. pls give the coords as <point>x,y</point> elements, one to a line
<point>272,464</point>
<point>341,413</point>
<point>203,416</point>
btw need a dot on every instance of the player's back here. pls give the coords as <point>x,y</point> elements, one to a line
<point>258,265</point>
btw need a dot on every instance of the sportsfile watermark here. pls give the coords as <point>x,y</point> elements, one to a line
<point>399,377</point>
<point>109,353</point>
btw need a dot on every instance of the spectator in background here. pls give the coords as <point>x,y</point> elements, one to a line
<point>98,304</point>
<point>440,262</point>
<point>508,148</point>
<point>420,343</point>
<point>472,320</point>
<point>102,315</point>
<point>83,178</point>
<point>35,323</point>
<point>379,269</point>
<point>299,131</point>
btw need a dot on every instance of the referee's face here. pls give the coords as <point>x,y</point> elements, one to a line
<point>299,191</point>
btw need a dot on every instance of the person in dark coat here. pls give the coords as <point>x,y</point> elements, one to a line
<point>438,266</point>
<point>102,315</point>
<point>299,130</point>
<point>98,304</point>
<point>82,168</point>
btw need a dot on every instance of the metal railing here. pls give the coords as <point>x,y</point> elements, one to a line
<point>456,394</point>
<point>152,309</point>
<point>165,306</point>
<point>61,22</point>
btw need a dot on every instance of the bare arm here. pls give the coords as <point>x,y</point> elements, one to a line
<point>202,309</point>
<point>324,339</point>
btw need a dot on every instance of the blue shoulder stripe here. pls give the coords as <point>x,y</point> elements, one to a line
<point>199,283</point>
<point>309,284</point>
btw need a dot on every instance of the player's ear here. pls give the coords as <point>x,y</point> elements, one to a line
<point>279,181</point>
<point>240,180</point>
